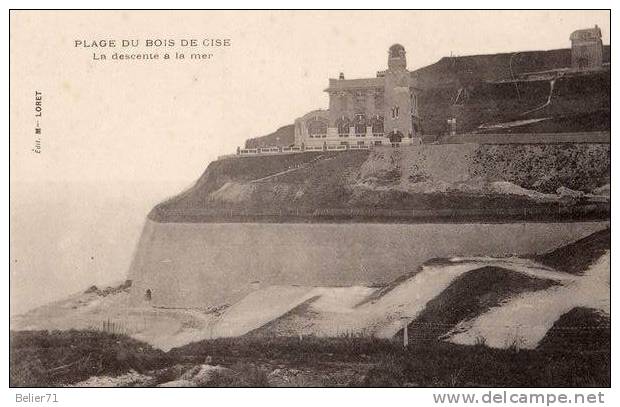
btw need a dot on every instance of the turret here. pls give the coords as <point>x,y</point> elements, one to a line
<point>396,57</point>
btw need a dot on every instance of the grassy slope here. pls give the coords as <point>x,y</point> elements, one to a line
<point>441,81</point>
<point>578,101</point>
<point>324,182</point>
<point>286,324</point>
<point>328,180</point>
<point>220,172</point>
<point>440,364</point>
<point>41,358</point>
<point>580,329</point>
<point>327,361</point>
<point>576,257</point>
<point>470,295</point>
<point>574,353</point>
<point>436,364</point>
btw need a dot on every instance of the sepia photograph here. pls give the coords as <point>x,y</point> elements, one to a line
<point>316,198</point>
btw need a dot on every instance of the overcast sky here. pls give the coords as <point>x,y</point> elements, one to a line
<point>149,121</point>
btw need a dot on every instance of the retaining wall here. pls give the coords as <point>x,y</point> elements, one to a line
<point>209,264</point>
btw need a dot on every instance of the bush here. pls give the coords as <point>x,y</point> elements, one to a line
<point>240,375</point>
<point>42,358</point>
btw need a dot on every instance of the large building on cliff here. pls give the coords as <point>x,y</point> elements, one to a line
<point>367,111</point>
<point>463,95</point>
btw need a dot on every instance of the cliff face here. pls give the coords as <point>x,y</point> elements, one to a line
<point>493,178</point>
<point>211,264</point>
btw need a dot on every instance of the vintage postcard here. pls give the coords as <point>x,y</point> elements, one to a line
<point>310,199</point>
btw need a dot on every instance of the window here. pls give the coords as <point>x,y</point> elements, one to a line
<point>377,126</point>
<point>378,142</point>
<point>360,125</point>
<point>414,103</point>
<point>317,127</point>
<point>360,98</point>
<point>379,100</point>
<point>343,124</point>
<point>360,143</point>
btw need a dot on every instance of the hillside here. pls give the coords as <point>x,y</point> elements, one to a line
<point>283,137</point>
<point>465,70</point>
<point>491,93</point>
<point>428,182</point>
<point>577,257</point>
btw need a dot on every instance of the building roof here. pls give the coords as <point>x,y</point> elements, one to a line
<point>345,84</point>
<point>396,50</point>
<point>586,34</point>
